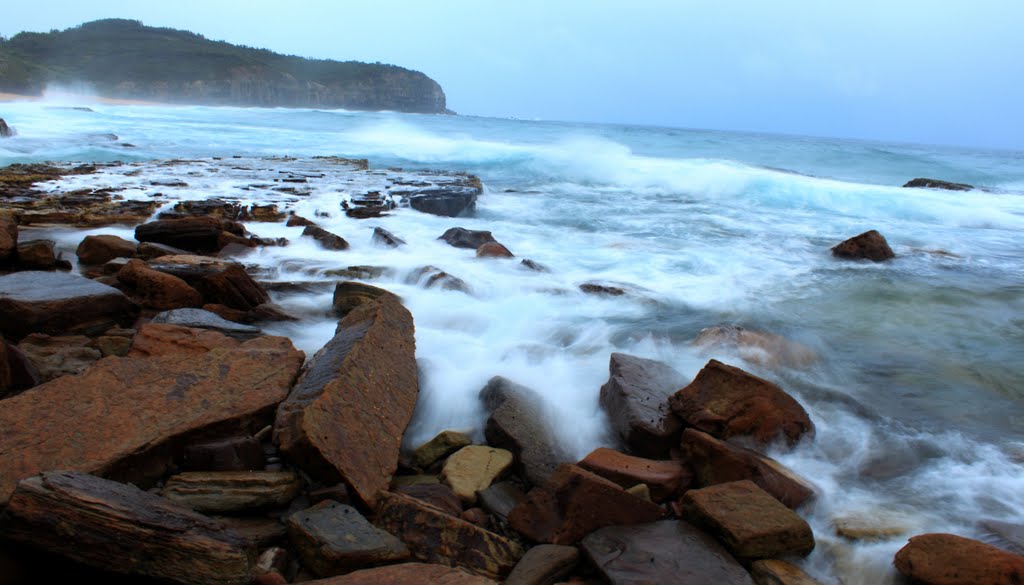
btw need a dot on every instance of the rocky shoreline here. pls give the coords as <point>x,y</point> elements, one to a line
<point>151,429</point>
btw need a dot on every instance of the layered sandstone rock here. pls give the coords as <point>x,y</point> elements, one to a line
<point>56,303</point>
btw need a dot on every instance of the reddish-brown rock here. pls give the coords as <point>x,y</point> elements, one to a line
<point>8,239</point>
<point>748,521</point>
<point>156,290</point>
<point>39,255</point>
<point>947,559</point>
<point>714,462</point>
<point>203,235</point>
<point>778,572</point>
<point>56,303</point>
<point>350,294</point>
<point>121,528</point>
<point>326,239</point>
<point>493,250</point>
<point>725,402</point>
<point>16,371</point>
<point>103,248</point>
<point>436,494</point>
<point>635,398</point>
<point>666,552</point>
<point>664,478</point>
<point>367,372</point>
<point>407,574</point>
<point>121,407</point>
<point>870,245</point>
<point>463,238</point>
<point>575,502</point>
<point>232,287</point>
<point>436,537</point>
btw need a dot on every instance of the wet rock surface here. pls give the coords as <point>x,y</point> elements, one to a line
<point>200,319</point>
<point>948,559</point>
<point>870,245</point>
<point>635,398</point>
<point>333,538</point>
<point>56,303</point>
<point>938,184</point>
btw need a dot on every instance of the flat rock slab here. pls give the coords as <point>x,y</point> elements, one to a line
<point>122,407</point>
<point>947,559</point>
<point>517,423</point>
<point>436,537</point>
<point>222,492</point>
<point>635,398</point>
<point>407,574</point>
<point>574,503</point>
<point>714,462</point>
<point>333,538</point>
<point>121,528</point>
<point>56,303</point>
<point>441,446</point>
<point>725,401</point>
<point>778,572</point>
<point>663,478</point>
<point>474,468</point>
<point>748,521</point>
<point>670,551</point>
<point>200,319</point>
<point>350,294</point>
<point>545,564</point>
<point>345,418</point>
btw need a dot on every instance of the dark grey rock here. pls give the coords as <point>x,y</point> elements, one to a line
<point>200,319</point>
<point>937,184</point>
<point>545,564</point>
<point>500,498</point>
<point>635,398</point>
<point>445,201</point>
<point>463,238</point>
<point>386,238</point>
<point>333,538</point>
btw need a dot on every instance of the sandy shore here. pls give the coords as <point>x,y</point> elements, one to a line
<point>65,98</point>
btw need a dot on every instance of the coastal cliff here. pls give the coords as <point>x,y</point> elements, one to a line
<point>126,59</point>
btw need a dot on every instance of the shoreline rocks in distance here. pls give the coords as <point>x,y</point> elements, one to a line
<point>924,183</point>
<point>5,130</point>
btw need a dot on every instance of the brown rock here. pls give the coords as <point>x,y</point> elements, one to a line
<point>153,250</point>
<point>121,528</point>
<point>350,294</point>
<point>670,551</point>
<point>156,290</point>
<point>573,503</point>
<point>544,565</point>
<point>56,303</point>
<point>266,213</point>
<point>517,424</point>
<point>103,248</point>
<point>714,462</point>
<point>777,572</point>
<point>366,372</point>
<point>258,532</point>
<point>493,250</point>
<point>870,245</point>
<point>441,446</point>
<point>474,468</point>
<point>436,537</point>
<point>664,478</point>
<point>234,288</point>
<point>190,267</point>
<point>298,220</point>
<point>947,559</point>
<point>326,239</point>
<point>16,371</point>
<point>407,574</point>
<point>437,495</point>
<point>223,492</point>
<point>231,454</point>
<point>434,277</point>
<point>727,402</point>
<point>463,238</point>
<point>122,407</point>
<point>635,398</point>
<point>385,238</point>
<point>53,357</point>
<point>748,521</point>
<point>37,255</point>
<point>113,345</point>
<point>333,538</point>
<point>476,516</point>
<point>8,239</point>
<point>202,235</point>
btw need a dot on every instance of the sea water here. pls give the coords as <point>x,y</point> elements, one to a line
<point>917,391</point>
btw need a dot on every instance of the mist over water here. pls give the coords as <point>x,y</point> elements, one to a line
<point>918,384</point>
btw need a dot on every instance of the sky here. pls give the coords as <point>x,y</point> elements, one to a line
<point>926,71</point>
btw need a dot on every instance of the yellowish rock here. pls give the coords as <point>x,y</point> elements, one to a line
<point>474,468</point>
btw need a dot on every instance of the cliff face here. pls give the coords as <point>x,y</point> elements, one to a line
<point>124,59</point>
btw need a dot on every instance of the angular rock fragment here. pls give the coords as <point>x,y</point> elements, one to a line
<point>350,294</point>
<point>224,492</point>
<point>870,245</point>
<point>39,255</point>
<point>664,478</point>
<point>121,528</point>
<point>367,372</point>
<point>501,498</point>
<point>16,371</point>
<point>156,290</point>
<point>947,559</point>
<point>56,303</point>
<point>333,538</point>
<point>326,239</point>
<point>474,468</point>
<point>385,238</point>
<point>232,287</point>
<point>441,446</point>
<point>937,184</point>
<point>635,398</point>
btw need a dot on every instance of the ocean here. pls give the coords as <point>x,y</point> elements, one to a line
<point>916,385</point>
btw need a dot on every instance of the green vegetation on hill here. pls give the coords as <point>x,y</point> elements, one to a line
<point>125,59</point>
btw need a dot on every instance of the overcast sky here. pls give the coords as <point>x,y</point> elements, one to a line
<point>932,71</point>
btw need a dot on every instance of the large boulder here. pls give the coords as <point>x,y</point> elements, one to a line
<point>474,468</point>
<point>728,402</point>
<point>518,423</point>
<point>350,294</point>
<point>367,372</point>
<point>714,462</point>
<point>436,537</point>
<point>463,238</point>
<point>664,478</point>
<point>156,290</point>
<point>333,538</point>
<point>8,239</point>
<point>450,201</point>
<point>575,502</point>
<point>202,235</point>
<point>225,492</point>
<point>56,303</point>
<point>407,574</point>
<point>870,245</point>
<point>635,398</point>
<point>103,248</point>
<point>176,381</point>
<point>947,559</point>
<point>938,184</point>
<point>670,551</point>
<point>748,521</point>
<point>121,528</point>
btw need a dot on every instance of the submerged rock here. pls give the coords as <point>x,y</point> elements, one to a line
<point>434,277</point>
<point>870,245</point>
<point>463,238</point>
<point>326,239</point>
<point>493,250</point>
<point>937,184</point>
<point>766,349</point>
<point>385,238</point>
